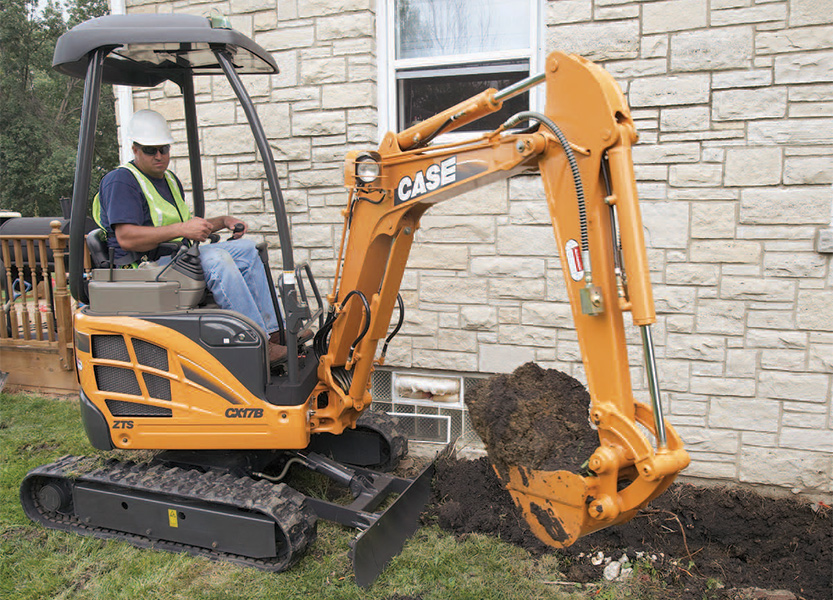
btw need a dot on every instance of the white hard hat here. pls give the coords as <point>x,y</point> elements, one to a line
<point>149,128</point>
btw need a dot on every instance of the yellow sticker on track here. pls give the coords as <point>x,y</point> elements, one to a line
<point>172,520</point>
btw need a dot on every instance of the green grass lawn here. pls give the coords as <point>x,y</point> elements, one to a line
<point>39,563</point>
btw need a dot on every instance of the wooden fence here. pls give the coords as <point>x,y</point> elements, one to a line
<point>36,342</point>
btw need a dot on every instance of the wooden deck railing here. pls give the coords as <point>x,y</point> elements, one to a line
<point>36,320</point>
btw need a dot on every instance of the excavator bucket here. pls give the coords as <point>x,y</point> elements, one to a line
<point>527,419</point>
<point>561,506</point>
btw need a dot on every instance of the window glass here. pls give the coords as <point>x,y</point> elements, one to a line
<point>437,53</point>
<point>429,28</point>
<point>424,94</point>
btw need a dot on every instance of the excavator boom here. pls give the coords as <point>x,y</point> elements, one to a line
<point>581,146</point>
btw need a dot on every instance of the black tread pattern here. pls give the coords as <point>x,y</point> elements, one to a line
<point>295,522</point>
<point>387,427</point>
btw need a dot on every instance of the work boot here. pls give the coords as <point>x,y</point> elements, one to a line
<point>277,354</point>
<point>303,337</point>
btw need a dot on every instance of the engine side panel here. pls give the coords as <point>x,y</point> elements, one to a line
<point>158,388</point>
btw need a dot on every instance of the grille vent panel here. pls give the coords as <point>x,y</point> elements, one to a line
<point>158,387</point>
<point>111,347</point>
<point>120,408</point>
<point>151,355</point>
<point>118,380</point>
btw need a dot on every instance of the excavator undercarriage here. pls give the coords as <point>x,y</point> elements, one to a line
<point>235,506</point>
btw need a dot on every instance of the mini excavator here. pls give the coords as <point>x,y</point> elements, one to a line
<point>162,368</point>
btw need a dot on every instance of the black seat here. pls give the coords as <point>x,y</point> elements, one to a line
<point>97,245</point>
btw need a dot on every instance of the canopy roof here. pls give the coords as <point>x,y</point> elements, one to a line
<point>145,50</point>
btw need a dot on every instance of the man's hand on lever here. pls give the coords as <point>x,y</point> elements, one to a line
<point>197,229</point>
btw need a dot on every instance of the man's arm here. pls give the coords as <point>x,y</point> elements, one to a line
<point>141,238</point>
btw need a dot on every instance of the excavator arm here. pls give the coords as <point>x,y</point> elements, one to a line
<point>581,146</point>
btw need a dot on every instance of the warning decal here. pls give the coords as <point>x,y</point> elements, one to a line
<point>572,252</point>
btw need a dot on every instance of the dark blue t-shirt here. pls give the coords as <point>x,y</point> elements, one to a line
<point>122,202</point>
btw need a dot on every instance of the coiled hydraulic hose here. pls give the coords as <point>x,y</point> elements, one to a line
<point>321,341</point>
<point>366,321</point>
<point>530,115</point>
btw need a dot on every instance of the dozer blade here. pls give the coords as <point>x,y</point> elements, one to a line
<point>374,547</point>
<point>383,532</point>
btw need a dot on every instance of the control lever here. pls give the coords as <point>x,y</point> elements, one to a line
<point>189,263</point>
<point>237,228</point>
<point>180,251</point>
<point>185,261</point>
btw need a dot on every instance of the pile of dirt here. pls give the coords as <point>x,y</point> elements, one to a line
<point>693,536</point>
<point>534,418</point>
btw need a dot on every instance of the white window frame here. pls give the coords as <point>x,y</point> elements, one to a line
<point>388,65</point>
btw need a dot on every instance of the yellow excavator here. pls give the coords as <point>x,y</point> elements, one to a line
<point>161,367</point>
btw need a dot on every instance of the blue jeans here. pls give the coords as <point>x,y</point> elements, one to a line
<point>234,274</point>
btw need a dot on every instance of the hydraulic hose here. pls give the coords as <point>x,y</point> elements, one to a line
<point>433,134</point>
<point>396,329</point>
<point>366,320</point>
<point>321,342</point>
<point>530,115</point>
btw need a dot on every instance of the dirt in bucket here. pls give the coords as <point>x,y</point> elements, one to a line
<point>534,417</point>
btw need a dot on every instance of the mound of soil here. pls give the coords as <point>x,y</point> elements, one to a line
<point>697,534</point>
<point>534,418</point>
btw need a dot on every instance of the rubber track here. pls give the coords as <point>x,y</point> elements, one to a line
<point>279,502</point>
<point>387,427</point>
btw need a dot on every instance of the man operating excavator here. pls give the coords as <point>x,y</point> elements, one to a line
<point>140,205</point>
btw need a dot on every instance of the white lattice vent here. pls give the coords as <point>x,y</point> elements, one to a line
<point>430,407</point>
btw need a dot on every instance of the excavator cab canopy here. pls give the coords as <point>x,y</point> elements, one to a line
<point>145,50</point>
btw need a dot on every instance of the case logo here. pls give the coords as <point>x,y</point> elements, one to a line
<point>435,176</point>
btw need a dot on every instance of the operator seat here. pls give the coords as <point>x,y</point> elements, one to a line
<point>99,253</point>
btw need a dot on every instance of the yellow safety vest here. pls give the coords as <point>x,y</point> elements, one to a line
<point>162,212</point>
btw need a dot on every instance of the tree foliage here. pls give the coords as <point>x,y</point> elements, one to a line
<point>40,109</point>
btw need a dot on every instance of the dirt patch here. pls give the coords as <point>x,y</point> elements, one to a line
<point>39,447</point>
<point>694,539</point>
<point>699,535</point>
<point>534,417</point>
<point>469,498</point>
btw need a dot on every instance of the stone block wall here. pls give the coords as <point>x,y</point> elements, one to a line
<point>734,103</point>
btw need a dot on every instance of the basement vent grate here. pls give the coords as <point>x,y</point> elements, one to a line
<point>430,407</point>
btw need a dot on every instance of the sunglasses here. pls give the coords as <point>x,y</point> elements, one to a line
<point>152,150</point>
